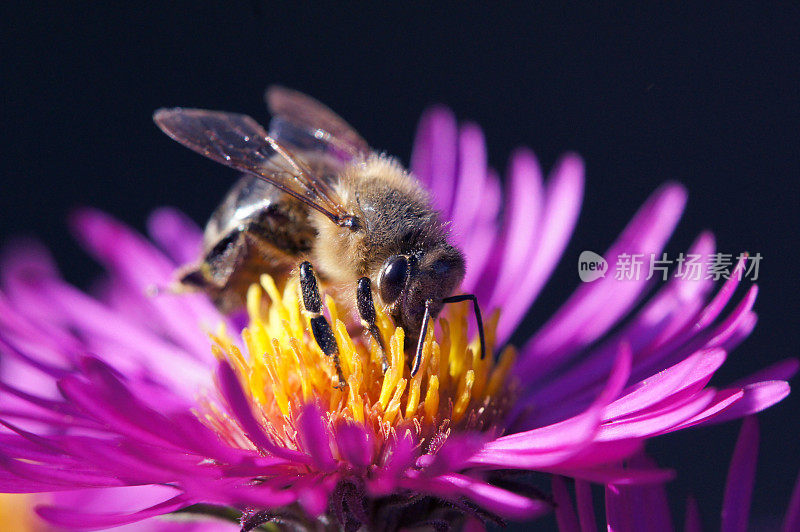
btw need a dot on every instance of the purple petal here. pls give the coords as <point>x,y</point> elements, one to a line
<point>565,513</point>
<point>243,413</point>
<point>521,228</point>
<point>618,512</point>
<point>664,315</point>
<point>618,475</point>
<point>637,508</point>
<point>696,369</point>
<point>741,477</point>
<point>468,196</point>
<point>654,423</point>
<point>434,157</point>
<point>398,458</point>
<point>313,494</point>
<point>600,454</point>
<point>44,477</point>
<point>574,430</point>
<point>70,519</point>
<point>453,455</point>
<point>780,371</point>
<point>721,299</point>
<point>738,318</point>
<point>122,342</point>
<point>563,196</point>
<point>140,264</point>
<point>481,238</point>
<point>315,438</point>
<point>554,444</point>
<point>583,496</point>
<point>177,235</point>
<point>594,308</point>
<point>693,522</point>
<point>696,333</point>
<point>623,361</point>
<point>354,444</point>
<point>792,520</point>
<point>24,265</point>
<point>723,400</point>
<point>757,397</point>
<point>497,500</point>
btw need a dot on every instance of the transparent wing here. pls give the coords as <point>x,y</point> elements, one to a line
<point>238,141</point>
<point>310,125</point>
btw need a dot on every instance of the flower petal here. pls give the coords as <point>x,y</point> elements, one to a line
<point>177,235</point>
<point>143,266</point>
<point>521,229</point>
<point>434,157</point>
<point>468,195</point>
<point>315,438</point>
<point>240,408</point>
<point>693,523</point>
<point>741,476</point>
<point>563,196</point>
<point>71,519</point>
<point>547,446</point>
<point>497,500</point>
<point>596,307</point>
<point>792,519</point>
<point>565,513</point>
<point>757,397</point>
<point>583,497</point>
<point>353,444</point>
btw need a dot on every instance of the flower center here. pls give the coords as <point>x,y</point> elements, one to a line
<point>283,368</point>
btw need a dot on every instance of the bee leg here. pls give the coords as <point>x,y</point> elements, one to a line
<point>427,318</point>
<point>320,328</point>
<point>366,309</point>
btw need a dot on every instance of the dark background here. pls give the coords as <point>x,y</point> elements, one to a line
<point>706,98</point>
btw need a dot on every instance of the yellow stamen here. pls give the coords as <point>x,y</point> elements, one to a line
<point>17,514</point>
<point>283,368</point>
<point>501,369</point>
<point>432,399</point>
<point>394,405</point>
<point>463,395</point>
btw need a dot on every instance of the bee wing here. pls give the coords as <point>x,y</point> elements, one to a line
<point>240,142</point>
<point>308,124</point>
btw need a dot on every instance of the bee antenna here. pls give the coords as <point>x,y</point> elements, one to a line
<point>478,318</point>
<point>428,316</point>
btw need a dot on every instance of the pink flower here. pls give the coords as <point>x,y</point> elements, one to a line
<point>121,392</point>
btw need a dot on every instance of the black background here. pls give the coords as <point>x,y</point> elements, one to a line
<point>706,98</point>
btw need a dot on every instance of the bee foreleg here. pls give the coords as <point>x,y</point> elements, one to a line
<point>366,309</point>
<point>320,328</point>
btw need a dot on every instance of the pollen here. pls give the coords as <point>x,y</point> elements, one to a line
<point>281,367</point>
<point>16,512</point>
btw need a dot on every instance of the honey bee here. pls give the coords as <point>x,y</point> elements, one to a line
<point>313,192</point>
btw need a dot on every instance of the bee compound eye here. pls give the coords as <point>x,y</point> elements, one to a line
<point>393,278</point>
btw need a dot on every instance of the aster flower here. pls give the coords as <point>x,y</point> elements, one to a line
<point>160,404</point>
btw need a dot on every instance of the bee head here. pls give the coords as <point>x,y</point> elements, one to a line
<point>406,282</point>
